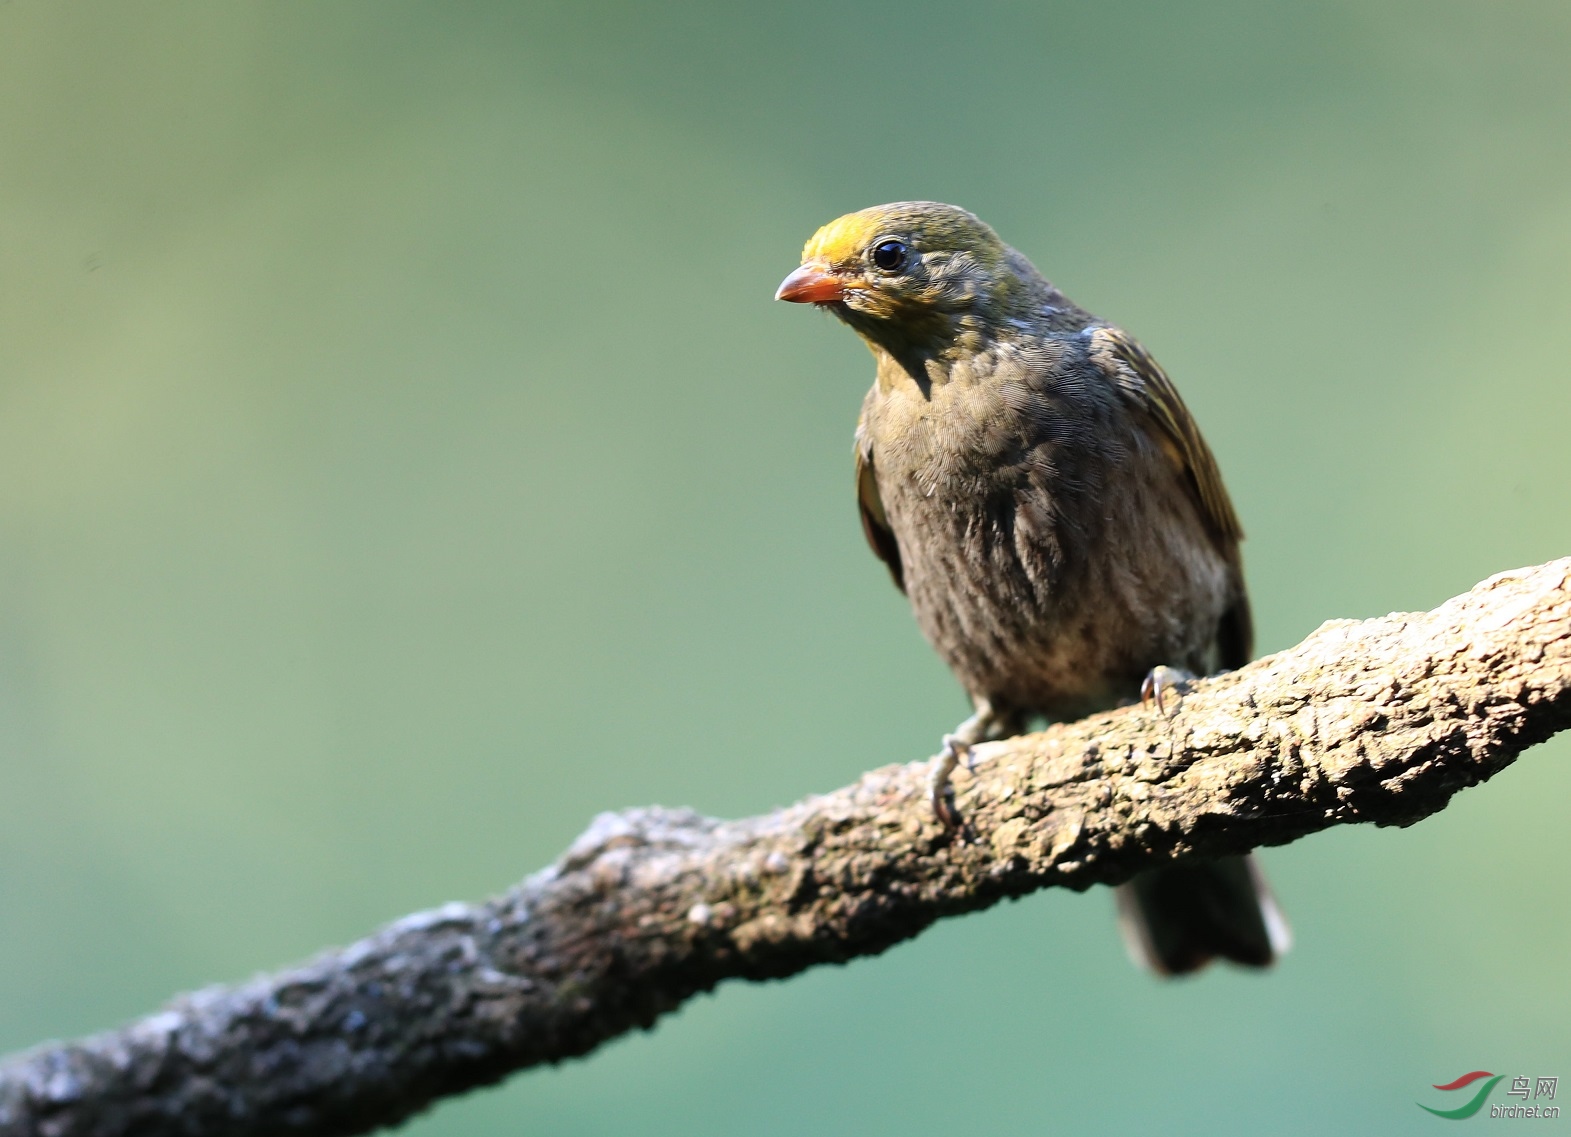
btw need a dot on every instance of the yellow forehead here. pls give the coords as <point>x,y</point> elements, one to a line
<point>926,224</point>
<point>844,238</point>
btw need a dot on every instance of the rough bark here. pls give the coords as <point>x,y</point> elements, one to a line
<point>1379,721</point>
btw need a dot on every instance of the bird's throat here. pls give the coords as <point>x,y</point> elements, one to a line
<point>927,361</point>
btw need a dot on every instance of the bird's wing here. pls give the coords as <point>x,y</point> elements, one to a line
<point>875,523</point>
<point>1146,385</point>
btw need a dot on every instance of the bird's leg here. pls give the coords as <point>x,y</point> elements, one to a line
<point>985,725</point>
<point>1160,680</point>
<point>938,787</point>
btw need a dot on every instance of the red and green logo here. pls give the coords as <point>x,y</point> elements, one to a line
<point>1477,1102</point>
<point>1542,1089</point>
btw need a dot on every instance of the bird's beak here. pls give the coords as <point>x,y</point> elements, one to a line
<point>811,284</point>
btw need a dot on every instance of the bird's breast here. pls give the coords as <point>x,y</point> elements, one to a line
<point>1044,545</point>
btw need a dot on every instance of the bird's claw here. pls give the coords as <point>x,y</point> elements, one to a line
<point>955,750</point>
<point>1158,683</point>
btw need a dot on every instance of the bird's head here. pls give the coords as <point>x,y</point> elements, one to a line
<point>912,273</point>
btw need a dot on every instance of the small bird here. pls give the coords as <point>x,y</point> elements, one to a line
<point>1041,494</point>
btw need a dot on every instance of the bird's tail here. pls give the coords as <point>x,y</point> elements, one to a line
<point>1176,919</point>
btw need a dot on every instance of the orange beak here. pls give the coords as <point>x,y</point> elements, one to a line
<point>811,284</point>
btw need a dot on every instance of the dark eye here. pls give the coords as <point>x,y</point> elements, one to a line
<point>890,255</point>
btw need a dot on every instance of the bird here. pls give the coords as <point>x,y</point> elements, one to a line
<point>1045,500</point>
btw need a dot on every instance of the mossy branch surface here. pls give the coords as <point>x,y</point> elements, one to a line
<point>1375,721</point>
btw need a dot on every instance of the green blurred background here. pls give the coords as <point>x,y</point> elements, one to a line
<point>401,460</point>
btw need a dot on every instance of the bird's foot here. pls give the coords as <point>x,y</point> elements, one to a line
<point>956,750</point>
<point>988,724</point>
<point>1164,685</point>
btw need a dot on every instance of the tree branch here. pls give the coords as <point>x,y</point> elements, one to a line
<point>1380,721</point>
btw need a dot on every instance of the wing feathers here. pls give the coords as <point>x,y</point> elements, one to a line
<point>875,523</point>
<point>1146,385</point>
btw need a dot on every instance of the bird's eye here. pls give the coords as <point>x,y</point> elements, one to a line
<point>890,255</point>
